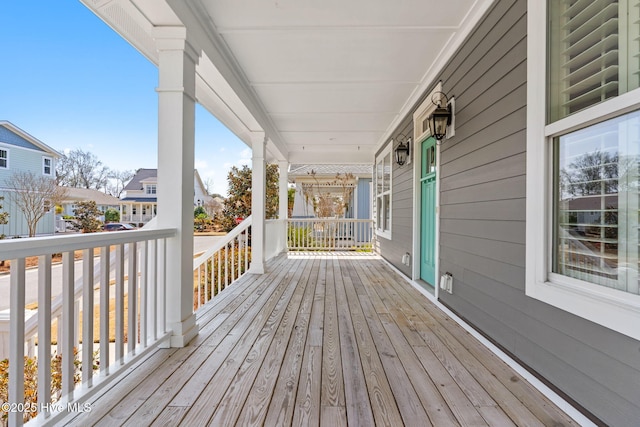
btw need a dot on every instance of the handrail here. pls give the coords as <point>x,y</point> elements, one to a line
<point>21,248</point>
<point>222,264</point>
<point>240,228</point>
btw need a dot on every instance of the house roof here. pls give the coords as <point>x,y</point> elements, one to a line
<point>141,175</point>
<point>330,171</point>
<point>146,176</point>
<point>86,194</point>
<point>29,138</point>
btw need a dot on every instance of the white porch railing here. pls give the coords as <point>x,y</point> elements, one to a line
<point>222,264</point>
<point>329,234</point>
<point>136,218</point>
<point>130,262</point>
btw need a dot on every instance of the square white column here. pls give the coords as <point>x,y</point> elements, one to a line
<point>283,195</point>
<point>258,211</point>
<point>176,141</point>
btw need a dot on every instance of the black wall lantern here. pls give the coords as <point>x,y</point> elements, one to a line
<point>403,150</point>
<point>441,117</point>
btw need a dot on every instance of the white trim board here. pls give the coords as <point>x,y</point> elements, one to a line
<point>555,398</point>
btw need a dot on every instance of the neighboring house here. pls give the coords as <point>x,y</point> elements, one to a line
<point>313,180</point>
<point>138,202</point>
<point>75,195</point>
<point>20,151</point>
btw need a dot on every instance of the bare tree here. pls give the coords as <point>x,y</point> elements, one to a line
<point>117,181</point>
<point>34,195</point>
<point>208,185</point>
<point>81,169</point>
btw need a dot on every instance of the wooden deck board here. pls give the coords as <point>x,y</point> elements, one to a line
<point>323,339</point>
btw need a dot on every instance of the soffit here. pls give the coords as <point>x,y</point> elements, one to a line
<point>328,81</point>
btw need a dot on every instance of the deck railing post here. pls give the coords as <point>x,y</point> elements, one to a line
<point>16,338</point>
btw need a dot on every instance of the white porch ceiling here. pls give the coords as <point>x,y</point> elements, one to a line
<point>327,81</point>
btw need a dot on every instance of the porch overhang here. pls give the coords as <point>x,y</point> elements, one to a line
<point>326,82</point>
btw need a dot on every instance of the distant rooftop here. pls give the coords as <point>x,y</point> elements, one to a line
<point>85,194</point>
<point>141,175</point>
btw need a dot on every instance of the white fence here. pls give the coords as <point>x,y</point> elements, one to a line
<point>329,234</point>
<point>222,264</point>
<point>128,279</point>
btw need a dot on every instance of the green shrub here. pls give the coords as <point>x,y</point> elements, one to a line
<point>112,215</point>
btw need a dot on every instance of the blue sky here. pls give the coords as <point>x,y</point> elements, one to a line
<point>72,82</point>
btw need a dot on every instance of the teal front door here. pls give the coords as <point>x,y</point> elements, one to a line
<point>428,212</point>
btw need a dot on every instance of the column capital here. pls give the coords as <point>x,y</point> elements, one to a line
<point>258,138</point>
<point>172,38</point>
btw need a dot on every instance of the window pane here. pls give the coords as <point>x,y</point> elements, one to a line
<point>596,203</point>
<point>387,173</point>
<point>387,212</point>
<point>593,53</point>
<point>379,177</point>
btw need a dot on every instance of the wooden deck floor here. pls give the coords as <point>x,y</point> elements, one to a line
<point>324,340</point>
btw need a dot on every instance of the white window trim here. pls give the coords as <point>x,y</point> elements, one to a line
<point>50,165</point>
<point>8,150</point>
<point>614,309</point>
<point>379,231</point>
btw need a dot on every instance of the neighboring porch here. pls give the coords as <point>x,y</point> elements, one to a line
<point>323,338</point>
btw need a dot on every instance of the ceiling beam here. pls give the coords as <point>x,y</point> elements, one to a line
<point>196,19</point>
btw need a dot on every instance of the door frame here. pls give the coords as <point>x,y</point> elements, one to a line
<point>420,133</point>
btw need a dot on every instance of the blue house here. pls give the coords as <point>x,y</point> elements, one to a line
<point>20,151</point>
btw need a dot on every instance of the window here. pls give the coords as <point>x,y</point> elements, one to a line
<point>151,189</point>
<point>593,53</point>
<point>4,158</point>
<point>383,193</point>
<point>583,159</point>
<point>596,203</point>
<point>47,163</point>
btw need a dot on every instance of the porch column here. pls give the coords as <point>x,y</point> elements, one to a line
<point>283,196</point>
<point>258,200</point>
<point>176,140</point>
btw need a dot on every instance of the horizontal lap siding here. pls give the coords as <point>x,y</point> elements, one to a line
<point>482,228</point>
<point>402,209</point>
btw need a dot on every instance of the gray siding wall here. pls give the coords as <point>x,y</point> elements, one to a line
<point>482,228</point>
<point>402,209</point>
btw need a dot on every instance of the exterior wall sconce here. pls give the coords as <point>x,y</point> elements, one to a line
<point>403,150</point>
<point>441,117</point>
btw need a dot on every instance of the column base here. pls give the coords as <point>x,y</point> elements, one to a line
<point>256,268</point>
<point>182,333</point>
